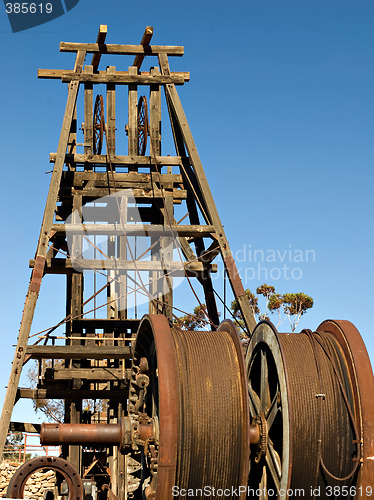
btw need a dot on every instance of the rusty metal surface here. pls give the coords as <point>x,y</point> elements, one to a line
<point>18,481</point>
<point>98,125</point>
<point>320,393</point>
<point>154,342</point>
<point>362,376</point>
<point>100,434</point>
<point>213,410</point>
<point>142,125</point>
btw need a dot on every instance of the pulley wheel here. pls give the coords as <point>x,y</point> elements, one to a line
<point>98,125</point>
<point>196,396</point>
<point>142,125</point>
<point>305,396</point>
<point>18,482</point>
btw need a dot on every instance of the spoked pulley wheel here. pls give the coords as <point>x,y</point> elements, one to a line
<point>98,125</point>
<point>311,404</point>
<point>142,125</point>
<point>190,388</point>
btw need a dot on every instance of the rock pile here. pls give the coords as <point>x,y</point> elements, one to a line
<point>36,484</point>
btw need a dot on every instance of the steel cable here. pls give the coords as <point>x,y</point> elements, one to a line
<point>211,435</point>
<point>324,430</point>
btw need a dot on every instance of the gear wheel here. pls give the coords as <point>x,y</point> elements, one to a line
<point>260,421</point>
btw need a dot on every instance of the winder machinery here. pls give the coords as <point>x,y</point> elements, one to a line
<point>151,409</point>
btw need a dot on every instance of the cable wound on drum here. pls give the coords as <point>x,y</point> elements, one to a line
<point>211,409</point>
<point>324,431</point>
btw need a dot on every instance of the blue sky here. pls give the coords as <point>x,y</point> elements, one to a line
<point>280,104</point>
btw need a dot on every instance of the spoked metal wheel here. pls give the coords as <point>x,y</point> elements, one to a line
<point>142,125</point>
<point>189,388</point>
<point>98,125</point>
<point>270,461</point>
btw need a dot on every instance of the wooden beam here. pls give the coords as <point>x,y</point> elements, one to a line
<point>135,177</point>
<point>78,352</point>
<point>88,114</point>
<point>145,193</point>
<point>66,393</point>
<point>95,374</point>
<point>135,230</point>
<point>145,41</point>
<point>124,79</point>
<point>24,427</point>
<point>148,50</point>
<point>101,36</point>
<point>132,124</point>
<point>58,74</point>
<point>110,133</point>
<point>175,268</point>
<point>144,161</point>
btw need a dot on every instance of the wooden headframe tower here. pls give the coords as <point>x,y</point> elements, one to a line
<point>92,227</point>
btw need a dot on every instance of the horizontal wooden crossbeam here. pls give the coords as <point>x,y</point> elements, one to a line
<point>147,50</point>
<point>134,229</point>
<point>139,161</point>
<point>78,394</point>
<point>145,193</point>
<point>65,74</point>
<point>176,268</point>
<point>124,79</point>
<point>78,352</point>
<point>93,374</point>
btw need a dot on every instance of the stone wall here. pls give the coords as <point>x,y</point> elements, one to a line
<point>36,484</point>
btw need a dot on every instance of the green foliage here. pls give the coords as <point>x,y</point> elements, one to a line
<point>295,305</point>
<point>195,321</point>
<point>291,305</point>
<point>275,302</point>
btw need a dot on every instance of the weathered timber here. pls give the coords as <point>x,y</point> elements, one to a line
<point>145,41</point>
<point>135,229</point>
<point>176,268</point>
<point>150,50</point>
<point>78,352</point>
<point>137,192</point>
<point>58,74</point>
<point>24,427</point>
<point>63,393</point>
<point>95,374</point>
<point>76,178</point>
<point>101,36</point>
<point>145,161</point>
<point>88,115</point>
<point>124,79</point>
<point>132,131</point>
<point>110,126</point>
